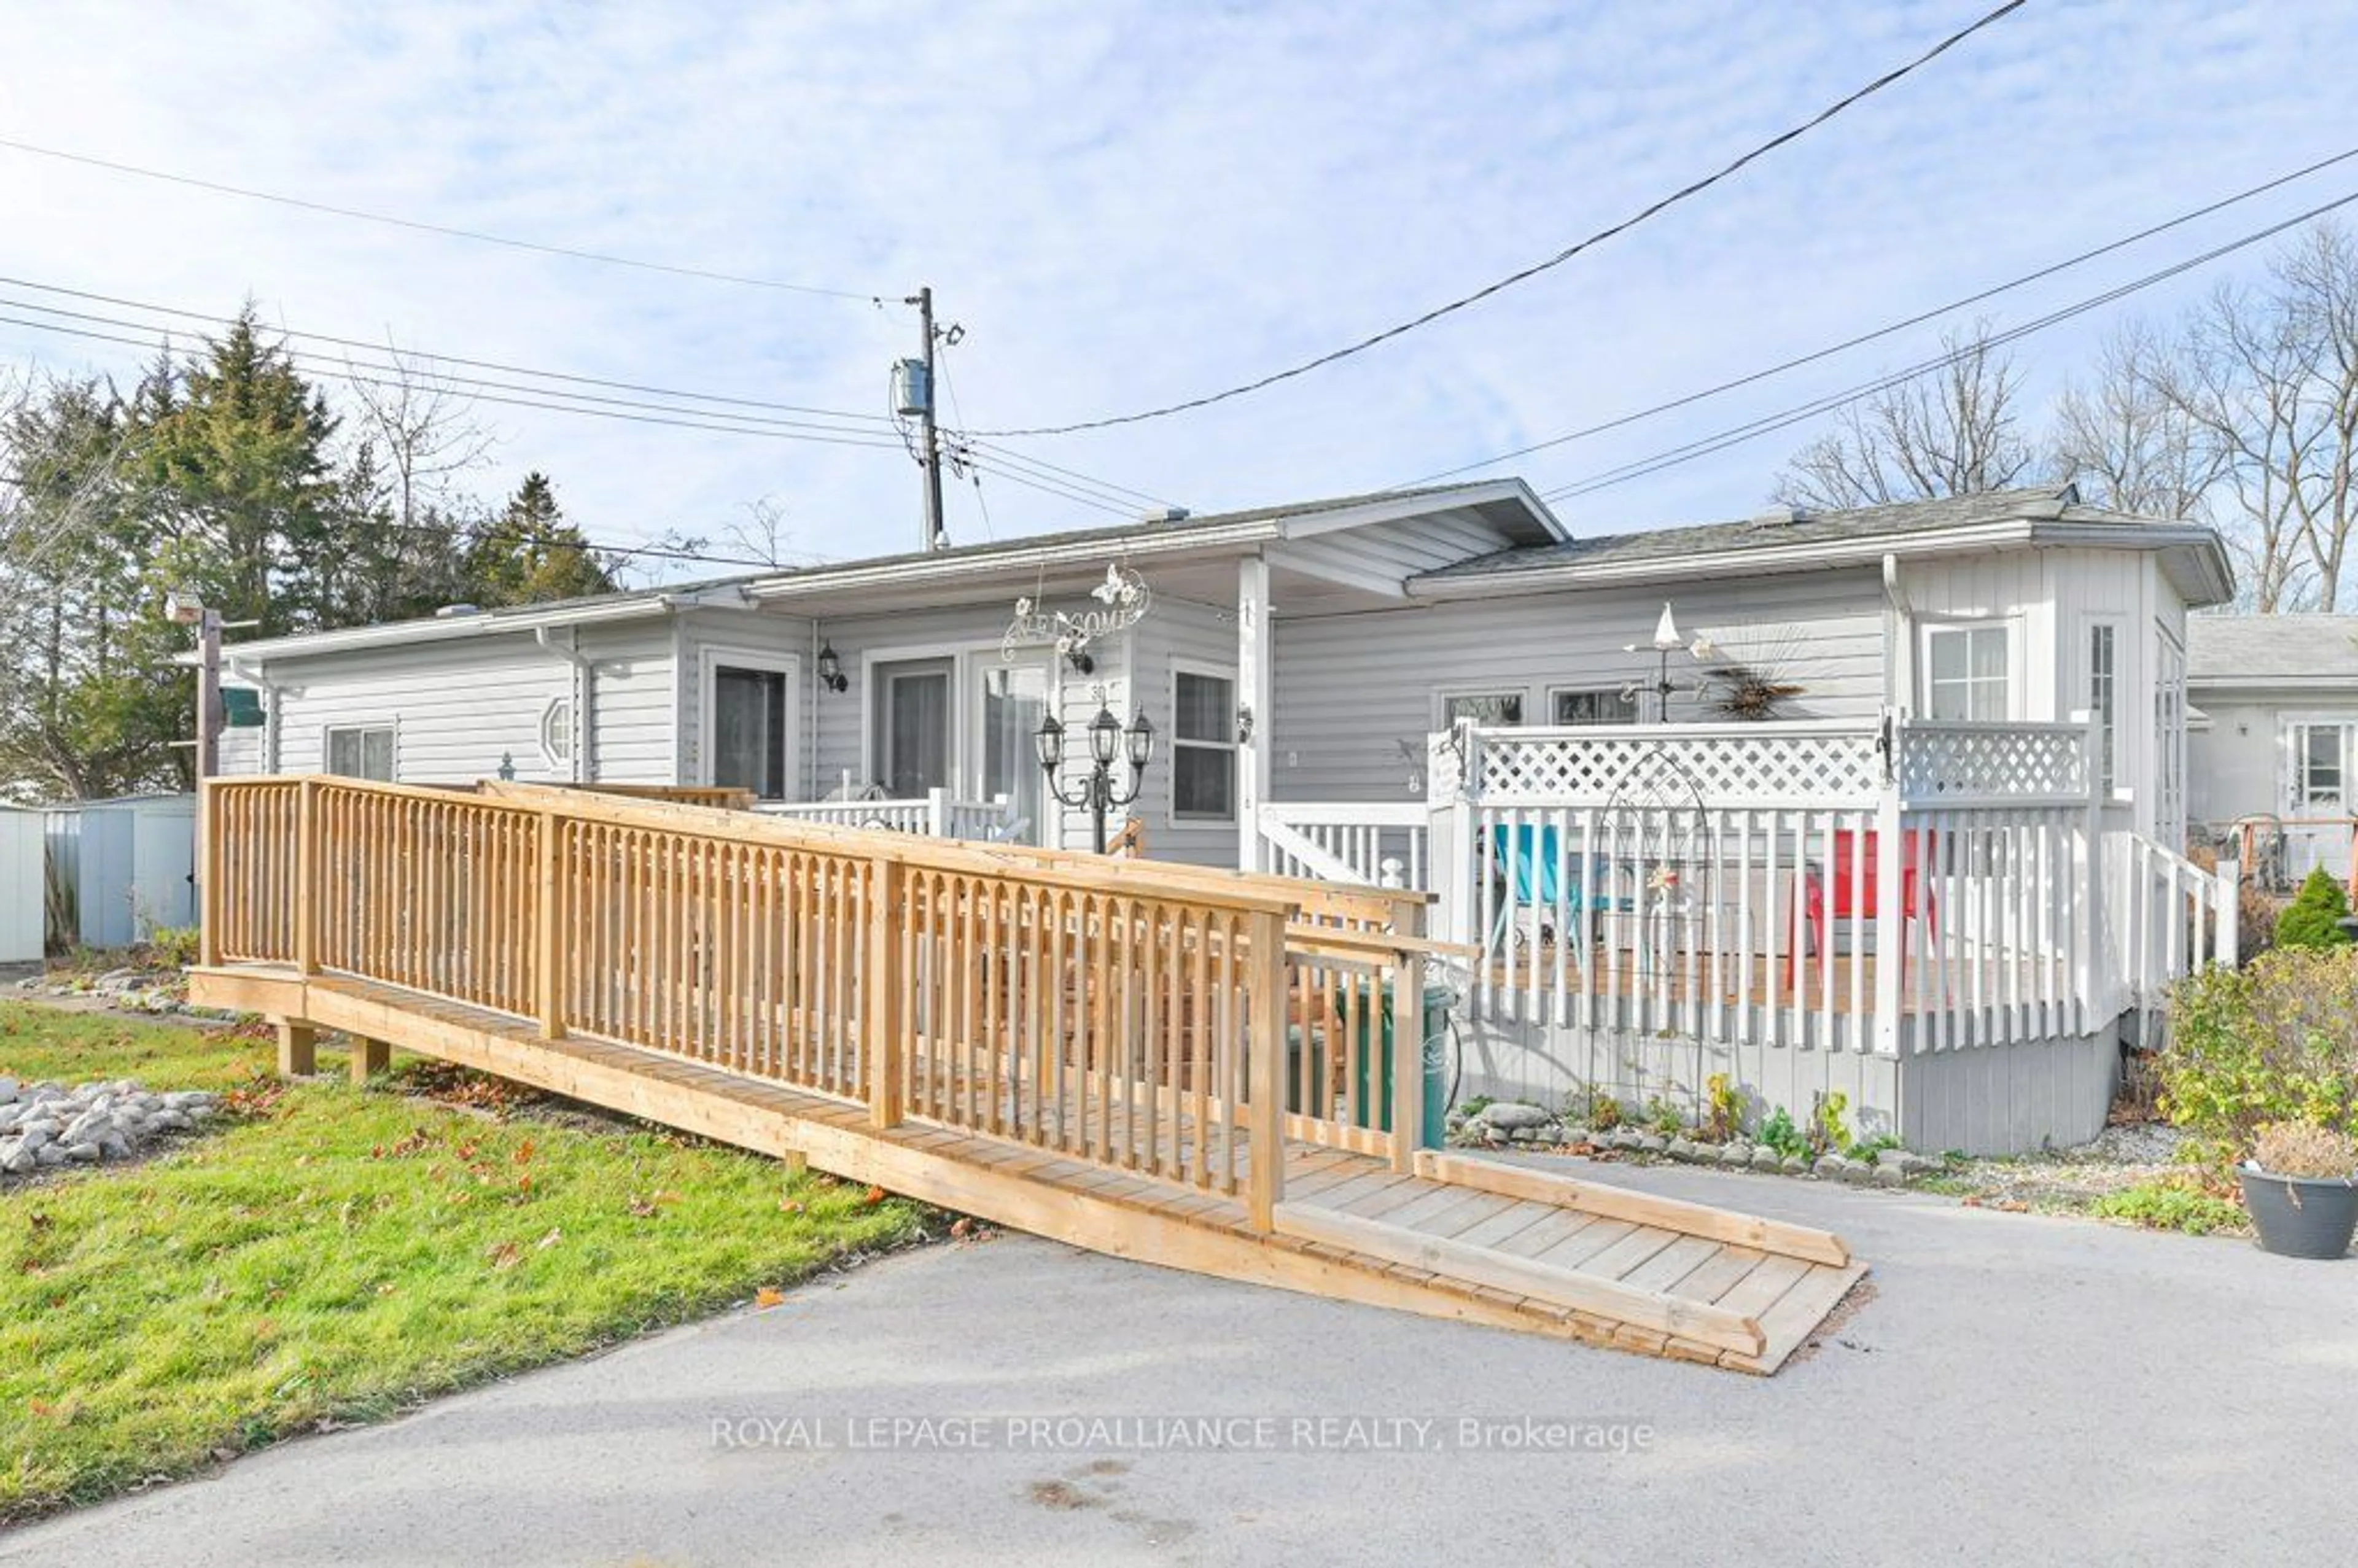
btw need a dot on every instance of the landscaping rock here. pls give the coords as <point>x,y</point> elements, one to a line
<point>1736,1153</point>
<point>1683,1148</point>
<point>1889,1176</point>
<point>1766,1159</point>
<point>1653,1142</point>
<point>1793,1165</point>
<point>1857,1173</point>
<point>47,1124</point>
<point>1916,1165</point>
<point>1508,1115</point>
<point>8,1091</point>
<point>1576,1134</point>
<point>1830,1167</point>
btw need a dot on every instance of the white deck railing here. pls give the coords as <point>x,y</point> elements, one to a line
<point>935,815</point>
<point>1887,887</point>
<point>1380,843</point>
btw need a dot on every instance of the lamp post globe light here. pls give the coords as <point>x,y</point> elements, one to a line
<point>1109,742</point>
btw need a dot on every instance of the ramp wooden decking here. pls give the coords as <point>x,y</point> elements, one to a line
<point>1063,1049</point>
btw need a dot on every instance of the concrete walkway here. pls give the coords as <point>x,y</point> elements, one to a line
<point>2017,1389</point>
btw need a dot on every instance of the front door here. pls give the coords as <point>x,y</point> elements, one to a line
<point>2319,789</point>
<point>913,727</point>
<point>750,731</point>
<point>1010,704</point>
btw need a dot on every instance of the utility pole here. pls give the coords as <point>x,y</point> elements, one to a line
<point>920,401</point>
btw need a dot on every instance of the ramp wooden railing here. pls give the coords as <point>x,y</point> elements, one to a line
<point>1131,1015</point>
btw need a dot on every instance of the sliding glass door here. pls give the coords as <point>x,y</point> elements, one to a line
<point>913,727</point>
<point>1011,702</point>
<point>749,730</point>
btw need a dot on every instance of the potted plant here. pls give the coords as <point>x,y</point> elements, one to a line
<point>2301,1186</point>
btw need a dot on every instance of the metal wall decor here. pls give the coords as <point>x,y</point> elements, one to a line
<point>1122,600</point>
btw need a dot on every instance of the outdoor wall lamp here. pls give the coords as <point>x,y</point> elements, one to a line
<point>1109,742</point>
<point>1244,725</point>
<point>830,669</point>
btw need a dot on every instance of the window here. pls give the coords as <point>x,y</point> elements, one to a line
<point>749,731</point>
<point>1583,707</point>
<point>1966,673</point>
<point>2319,753</point>
<point>361,751</point>
<point>1484,708</point>
<point>556,732</point>
<point>913,725</point>
<point>1203,747</point>
<point>1013,704</point>
<point>2103,692</point>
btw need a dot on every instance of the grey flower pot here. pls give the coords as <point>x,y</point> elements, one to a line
<point>2301,1217</point>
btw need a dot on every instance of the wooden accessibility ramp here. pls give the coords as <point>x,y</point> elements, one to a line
<point>1045,1041</point>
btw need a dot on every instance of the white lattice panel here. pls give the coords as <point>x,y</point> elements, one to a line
<point>1946,764</point>
<point>1762,764</point>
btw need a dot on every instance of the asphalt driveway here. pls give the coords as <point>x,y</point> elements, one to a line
<point>2015,1390</point>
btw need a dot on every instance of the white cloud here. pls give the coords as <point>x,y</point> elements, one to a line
<point>1130,203</point>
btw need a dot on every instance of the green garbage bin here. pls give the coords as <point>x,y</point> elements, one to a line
<point>1434,1037</point>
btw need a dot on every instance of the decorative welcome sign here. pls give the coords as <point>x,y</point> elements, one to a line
<point>1122,601</point>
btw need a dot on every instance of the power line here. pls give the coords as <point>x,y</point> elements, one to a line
<point>957,412</point>
<point>1565,255</point>
<point>421,368</point>
<point>445,231</point>
<point>1915,321</point>
<point>353,377</point>
<point>212,319</point>
<point>1008,454</point>
<point>1735,435</point>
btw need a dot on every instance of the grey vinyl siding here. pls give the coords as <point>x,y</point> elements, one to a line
<point>784,636</point>
<point>457,708</point>
<point>1352,688</point>
<point>1177,636</point>
<point>962,633</point>
<point>633,725</point>
<point>240,753</point>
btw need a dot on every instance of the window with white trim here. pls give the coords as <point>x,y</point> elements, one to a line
<point>1483,708</point>
<point>1203,747</point>
<point>556,732</point>
<point>1568,705</point>
<point>2105,692</point>
<point>1968,671</point>
<point>361,751</point>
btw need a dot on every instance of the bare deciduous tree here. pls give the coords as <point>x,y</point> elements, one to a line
<point>2124,440</point>
<point>422,430</point>
<point>1952,431</point>
<point>2270,377</point>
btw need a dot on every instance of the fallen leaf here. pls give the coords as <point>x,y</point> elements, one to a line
<point>524,1153</point>
<point>767,1297</point>
<point>873,1194</point>
<point>961,1228</point>
<point>551,1239</point>
<point>505,1255</point>
<point>788,1205</point>
<point>643,1209</point>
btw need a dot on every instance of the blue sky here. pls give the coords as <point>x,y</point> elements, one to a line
<point>1125,204</point>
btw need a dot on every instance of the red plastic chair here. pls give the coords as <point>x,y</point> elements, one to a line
<point>1848,845</point>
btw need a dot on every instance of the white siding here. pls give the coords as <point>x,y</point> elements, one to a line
<point>633,724</point>
<point>782,635</point>
<point>1351,688</point>
<point>457,707</point>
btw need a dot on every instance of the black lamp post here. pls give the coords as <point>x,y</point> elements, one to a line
<point>1109,742</point>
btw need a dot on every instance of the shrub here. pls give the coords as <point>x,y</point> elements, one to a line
<point>1780,1133</point>
<point>2314,917</point>
<point>174,947</point>
<point>2297,1149</point>
<point>2274,1042</point>
<point>2171,1205</point>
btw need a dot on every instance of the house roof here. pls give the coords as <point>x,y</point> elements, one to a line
<point>1793,541</point>
<point>1508,505</point>
<point>2299,651</point>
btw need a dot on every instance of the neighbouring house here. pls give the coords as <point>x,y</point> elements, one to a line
<point>2276,739</point>
<point>1897,814</point>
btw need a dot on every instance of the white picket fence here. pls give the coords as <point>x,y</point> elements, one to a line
<point>1889,887</point>
<point>937,813</point>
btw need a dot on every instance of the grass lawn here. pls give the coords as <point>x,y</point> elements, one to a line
<point>331,1254</point>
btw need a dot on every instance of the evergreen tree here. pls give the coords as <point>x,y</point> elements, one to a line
<point>530,554</point>
<point>2313,919</point>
